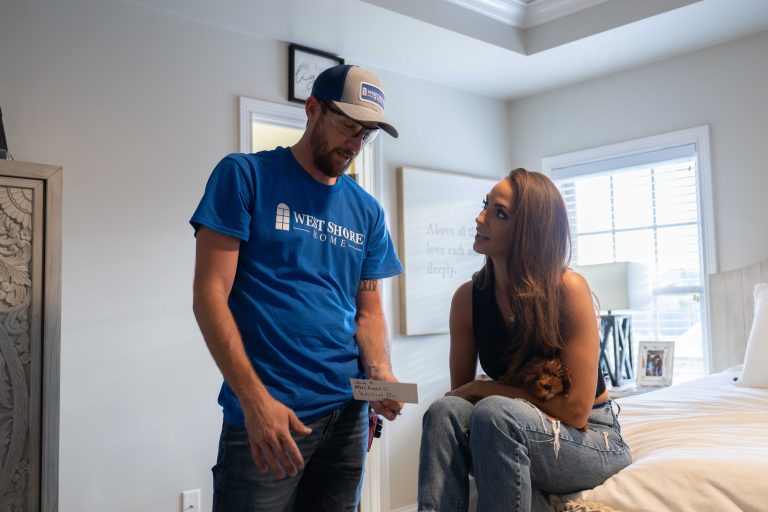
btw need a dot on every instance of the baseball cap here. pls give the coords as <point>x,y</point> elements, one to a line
<point>355,92</point>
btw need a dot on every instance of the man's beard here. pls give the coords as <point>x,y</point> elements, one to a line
<point>323,157</point>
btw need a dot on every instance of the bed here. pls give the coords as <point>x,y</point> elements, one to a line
<point>703,445</point>
<point>699,446</point>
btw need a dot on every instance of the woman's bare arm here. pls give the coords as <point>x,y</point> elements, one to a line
<point>463,358</point>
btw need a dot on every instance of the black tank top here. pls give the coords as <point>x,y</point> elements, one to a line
<point>494,336</point>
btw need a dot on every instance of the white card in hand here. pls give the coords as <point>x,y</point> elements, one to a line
<point>373,390</point>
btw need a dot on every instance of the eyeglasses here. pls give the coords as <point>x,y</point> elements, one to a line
<point>348,126</point>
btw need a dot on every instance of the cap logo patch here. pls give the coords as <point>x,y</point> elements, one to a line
<point>372,94</point>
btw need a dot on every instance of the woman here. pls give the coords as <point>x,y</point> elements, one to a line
<point>524,303</point>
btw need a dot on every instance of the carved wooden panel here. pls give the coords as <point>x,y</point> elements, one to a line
<point>30,334</point>
<point>21,245</point>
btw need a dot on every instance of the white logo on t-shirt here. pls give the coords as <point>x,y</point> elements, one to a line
<point>283,217</point>
<point>319,229</point>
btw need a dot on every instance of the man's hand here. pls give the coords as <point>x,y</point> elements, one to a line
<point>387,408</point>
<point>269,428</point>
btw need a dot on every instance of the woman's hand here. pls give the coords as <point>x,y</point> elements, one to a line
<point>472,391</point>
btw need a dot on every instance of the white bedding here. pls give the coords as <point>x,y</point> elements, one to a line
<point>696,447</point>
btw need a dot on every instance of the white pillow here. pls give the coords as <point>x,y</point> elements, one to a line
<point>755,371</point>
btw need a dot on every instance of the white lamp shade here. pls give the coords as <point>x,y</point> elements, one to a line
<point>618,286</point>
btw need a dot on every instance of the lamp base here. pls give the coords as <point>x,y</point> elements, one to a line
<point>616,348</point>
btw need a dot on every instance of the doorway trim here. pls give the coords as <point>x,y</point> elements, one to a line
<point>252,110</point>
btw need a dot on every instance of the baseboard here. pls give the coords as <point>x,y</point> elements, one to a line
<point>414,507</point>
<point>408,508</point>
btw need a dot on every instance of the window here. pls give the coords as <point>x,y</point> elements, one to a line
<point>647,206</point>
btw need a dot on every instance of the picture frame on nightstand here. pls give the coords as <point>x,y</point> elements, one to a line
<point>655,362</point>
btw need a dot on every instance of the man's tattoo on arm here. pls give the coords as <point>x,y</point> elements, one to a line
<point>369,285</point>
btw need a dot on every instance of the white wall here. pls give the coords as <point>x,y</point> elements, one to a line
<point>138,106</point>
<point>723,86</point>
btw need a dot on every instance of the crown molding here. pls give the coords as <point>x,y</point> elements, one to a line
<point>542,11</point>
<point>511,12</point>
<point>522,14</point>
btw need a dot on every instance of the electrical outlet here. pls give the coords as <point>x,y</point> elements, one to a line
<point>190,501</point>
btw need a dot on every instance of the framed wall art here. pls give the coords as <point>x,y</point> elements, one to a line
<point>304,64</point>
<point>437,212</point>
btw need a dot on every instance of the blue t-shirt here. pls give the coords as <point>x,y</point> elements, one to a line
<point>304,248</point>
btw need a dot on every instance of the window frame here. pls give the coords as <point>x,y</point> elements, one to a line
<point>699,137</point>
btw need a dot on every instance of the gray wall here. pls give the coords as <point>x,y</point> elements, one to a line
<point>138,105</point>
<point>725,86</point>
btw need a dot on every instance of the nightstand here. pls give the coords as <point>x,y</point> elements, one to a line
<point>630,390</point>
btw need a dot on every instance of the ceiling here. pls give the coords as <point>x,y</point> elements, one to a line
<point>503,49</point>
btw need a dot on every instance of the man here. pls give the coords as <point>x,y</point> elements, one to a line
<point>287,293</point>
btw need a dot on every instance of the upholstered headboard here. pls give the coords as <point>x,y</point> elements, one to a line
<point>731,309</point>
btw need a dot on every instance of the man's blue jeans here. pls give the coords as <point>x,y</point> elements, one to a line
<point>334,455</point>
<point>512,450</point>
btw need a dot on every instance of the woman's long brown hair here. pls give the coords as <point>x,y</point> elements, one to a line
<point>538,253</point>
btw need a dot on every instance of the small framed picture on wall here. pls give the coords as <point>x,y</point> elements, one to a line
<point>304,64</point>
<point>655,361</point>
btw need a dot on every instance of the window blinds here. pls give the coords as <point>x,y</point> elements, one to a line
<point>644,207</point>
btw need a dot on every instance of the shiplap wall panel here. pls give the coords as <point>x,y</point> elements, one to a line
<point>718,329</point>
<point>731,303</point>
<point>750,277</point>
<point>736,310</point>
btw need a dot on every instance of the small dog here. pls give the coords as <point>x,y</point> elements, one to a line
<point>542,378</point>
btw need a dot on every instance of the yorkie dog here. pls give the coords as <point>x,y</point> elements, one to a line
<point>542,378</point>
